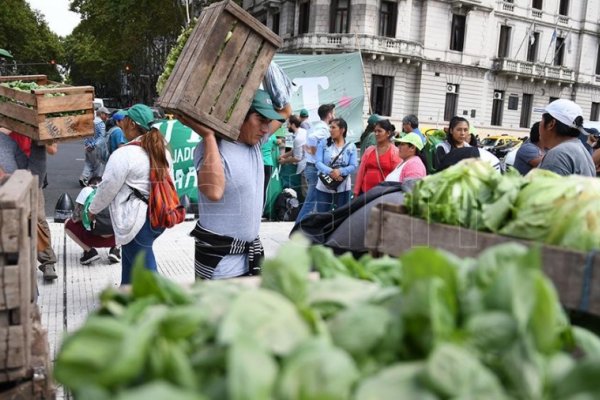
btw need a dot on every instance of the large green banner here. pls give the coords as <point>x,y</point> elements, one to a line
<point>331,78</point>
<point>182,141</point>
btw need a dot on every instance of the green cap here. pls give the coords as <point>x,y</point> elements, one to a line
<point>263,105</point>
<point>304,113</point>
<point>374,118</point>
<point>141,114</point>
<point>411,138</point>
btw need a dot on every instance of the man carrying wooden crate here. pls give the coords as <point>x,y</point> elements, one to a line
<point>230,183</point>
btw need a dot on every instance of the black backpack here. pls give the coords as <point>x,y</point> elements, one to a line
<point>287,207</point>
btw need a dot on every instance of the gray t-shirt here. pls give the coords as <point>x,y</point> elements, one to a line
<point>239,212</point>
<point>527,152</point>
<point>11,156</point>
<point>568,158</point>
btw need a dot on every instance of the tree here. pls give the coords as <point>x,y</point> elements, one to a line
<point>25,34</point>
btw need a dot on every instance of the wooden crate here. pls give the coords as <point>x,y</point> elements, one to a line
<point>34,114</point>
<point>18,237</point>
<point>214,80</point>
<point>391,231</point>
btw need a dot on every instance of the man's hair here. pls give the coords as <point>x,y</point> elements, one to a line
<point>562,129</point>
<point>412,120</point>
<point>324,110</point>
<point>534,133</point>
<point>294,120</point>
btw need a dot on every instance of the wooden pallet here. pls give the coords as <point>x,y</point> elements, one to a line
<point>18,236</point>
<point>34,114</point>
<point>391,231</point>
<point>215,78</point>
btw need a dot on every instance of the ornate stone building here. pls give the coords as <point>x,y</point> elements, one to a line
<point>491,61</point>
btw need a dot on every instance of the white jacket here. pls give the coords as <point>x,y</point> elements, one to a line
<point>128,167</point>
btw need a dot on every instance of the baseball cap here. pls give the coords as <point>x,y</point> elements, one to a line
<point>374,118</point>
<point>565,111</point>
<point>103,110</point>
<point>411,138</point>
<point>119,115</point>
<point>263,105</point>
<point>141,114</point>
<point>304,113</point>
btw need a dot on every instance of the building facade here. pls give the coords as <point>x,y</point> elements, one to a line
<point>491,61</point>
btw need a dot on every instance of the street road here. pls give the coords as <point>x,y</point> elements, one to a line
<point>64,169</point>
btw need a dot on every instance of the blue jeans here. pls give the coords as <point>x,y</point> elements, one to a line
<point>142,242</point>
<point>326,202</point>
<point>310,173</point>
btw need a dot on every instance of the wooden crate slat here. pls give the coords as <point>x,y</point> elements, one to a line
<point>13,193</point>
<point>233,84</point>
<point>18,126</point>
<point>201,72</point>
<point>253,23</point>
<point>210,121</point>
<point>78,101</point>
<point>67,90</point>
<point>71,126</point>
<point>206,21</point>
<point>252,83</point>
<point>39,79</point>
<point>222,68</point>
<point>10,230</point>
<point>12,347</point>
<point>10,281</point>
<point>25,97</point>
<point>19,112</point>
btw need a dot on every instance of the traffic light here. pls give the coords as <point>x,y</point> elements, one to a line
<point>127,68</point>
<point>52,62</point>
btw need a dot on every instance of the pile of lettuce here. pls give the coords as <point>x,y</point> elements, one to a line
<point>174,54</point>
<point>441,328</point>
<point>541,206</point>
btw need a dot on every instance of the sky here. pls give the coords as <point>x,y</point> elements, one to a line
<point>56,12</point>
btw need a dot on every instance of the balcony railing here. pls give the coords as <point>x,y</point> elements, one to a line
<point>537,13</point>
<point>562,19</point>
<point>537,71</point>
<point>506,5</point>
<point>352,42</point>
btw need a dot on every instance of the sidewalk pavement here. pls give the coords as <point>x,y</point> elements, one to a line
<point>66,302</point>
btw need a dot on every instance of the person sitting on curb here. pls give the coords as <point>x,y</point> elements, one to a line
<point>86,239</point>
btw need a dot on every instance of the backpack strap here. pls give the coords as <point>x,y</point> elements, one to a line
<point>137,194</point>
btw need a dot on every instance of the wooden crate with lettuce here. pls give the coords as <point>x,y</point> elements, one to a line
<point>470,207</point>
<point>44,110</point>
<point>219,66</point>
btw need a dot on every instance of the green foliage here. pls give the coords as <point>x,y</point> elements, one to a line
<point>418,336</point>
<point>25,34</point>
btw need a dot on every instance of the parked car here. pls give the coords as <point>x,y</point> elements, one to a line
<point>501,145</point>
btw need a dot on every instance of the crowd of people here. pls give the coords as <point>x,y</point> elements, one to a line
<point>232,176</point>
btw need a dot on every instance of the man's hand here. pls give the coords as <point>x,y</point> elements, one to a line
<point>89,148</point>
<point>200,129</point>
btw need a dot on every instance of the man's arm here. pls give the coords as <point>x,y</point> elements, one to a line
<point>210,171</point>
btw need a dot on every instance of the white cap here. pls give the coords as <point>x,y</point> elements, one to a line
<point>565,111</point>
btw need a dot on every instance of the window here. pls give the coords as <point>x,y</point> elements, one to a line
<point>504,41</point>
<point>275,27</point>
<point>451,102</point>
<point>526,111</point>
<point>559,51</point>
<point>382,88</point>
<point>537,4</point>
<point>340,16</point>
<point>303,17</point>
<point>595,114</point>
<point>497,107</point>
<point>387,19</point>
<point>598,62</point>
<point>532,50</point>
<point>563,8</point>
<point>457,36</point>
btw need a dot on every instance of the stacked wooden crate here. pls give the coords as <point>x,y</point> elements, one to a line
<point>44,116</point>
<point>220,69</point>
<point>23,347</point>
